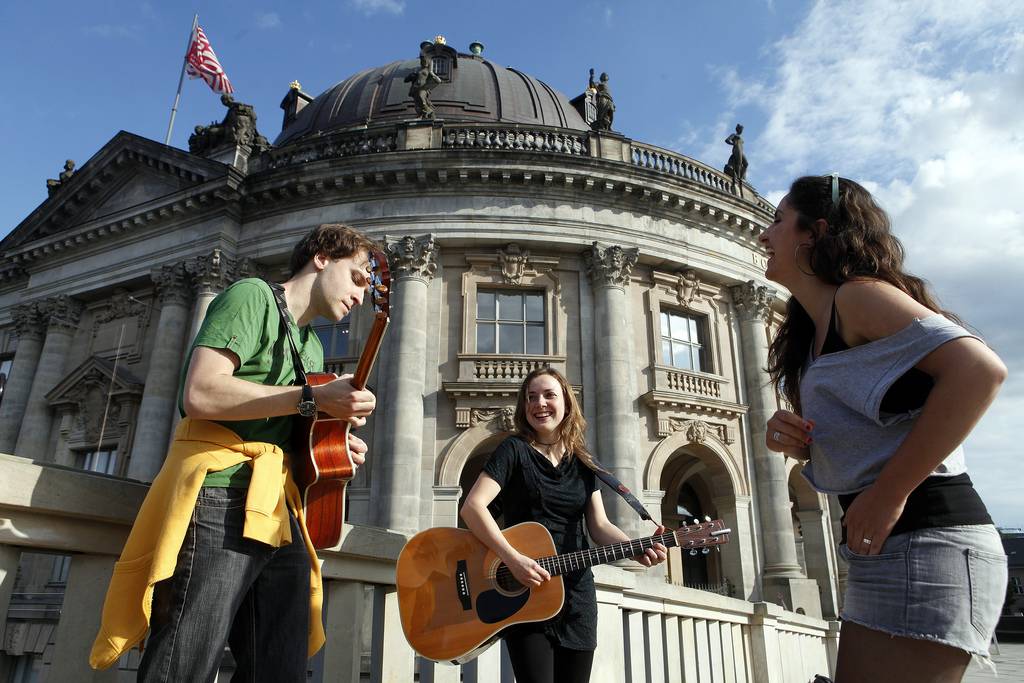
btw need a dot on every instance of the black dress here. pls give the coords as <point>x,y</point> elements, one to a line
<point>534,490</point>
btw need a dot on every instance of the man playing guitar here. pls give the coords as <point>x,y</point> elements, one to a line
<point>220,543</point>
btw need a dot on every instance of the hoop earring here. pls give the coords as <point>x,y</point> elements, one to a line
<point>796,260</point>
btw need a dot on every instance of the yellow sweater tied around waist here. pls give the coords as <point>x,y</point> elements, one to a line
<point>151,552</point>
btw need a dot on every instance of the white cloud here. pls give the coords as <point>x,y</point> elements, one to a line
<point>374,6</point>
<point>115,31</point>
<point>268,20</point>
<point>920,102</point>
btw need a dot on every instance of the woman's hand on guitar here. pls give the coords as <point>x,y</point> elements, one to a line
<point>654,555</point>
<point>527,571</point>
<point>357,449</point>
<point>342,400</point>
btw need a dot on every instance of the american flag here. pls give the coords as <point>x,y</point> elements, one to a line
<point>201,62</point>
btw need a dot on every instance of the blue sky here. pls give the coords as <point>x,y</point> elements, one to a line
<point>918,100</point>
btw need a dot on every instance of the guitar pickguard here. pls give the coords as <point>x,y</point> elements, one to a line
<point>492,606</point>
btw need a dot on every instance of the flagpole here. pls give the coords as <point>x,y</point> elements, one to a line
<point>181,79</point>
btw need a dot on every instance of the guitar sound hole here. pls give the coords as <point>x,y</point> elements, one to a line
<point>505,582</point>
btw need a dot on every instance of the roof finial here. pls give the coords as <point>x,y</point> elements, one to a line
<point>295,85</point>
<point>440,40</point>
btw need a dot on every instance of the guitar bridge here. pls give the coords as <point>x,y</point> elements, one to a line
<point>462,585</point>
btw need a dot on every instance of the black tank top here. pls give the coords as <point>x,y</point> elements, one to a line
<point>937,501</point>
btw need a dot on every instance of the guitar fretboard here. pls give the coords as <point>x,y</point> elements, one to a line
<point>582,559</point>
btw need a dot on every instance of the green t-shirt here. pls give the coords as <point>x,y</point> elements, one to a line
<point>244,318</point>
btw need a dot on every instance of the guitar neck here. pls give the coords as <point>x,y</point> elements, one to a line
<point>582,559</point>
<point>369,354</point>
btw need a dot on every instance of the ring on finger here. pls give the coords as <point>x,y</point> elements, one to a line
<point>777,436</point>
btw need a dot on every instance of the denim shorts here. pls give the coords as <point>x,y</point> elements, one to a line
<point>945,584</point>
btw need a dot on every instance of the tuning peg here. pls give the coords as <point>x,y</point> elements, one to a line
<point>696,521</point>
<point>707,518</point>
<point>705,551</point>
<point>693,552</point>
<point>683,524</point>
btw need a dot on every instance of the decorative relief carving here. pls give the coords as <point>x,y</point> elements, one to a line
<point>753,300</point>
<point>248,267</point>
<point>62,312</point>
<point>412,257</point>
<point>121,305</point>
<point>698,431</point>
<point>29,322</point>
<point>503,417</point>
<point>610,266</point>
<point>96,401</point>
<point>171,284</point>
<point>514,262</point>
<point>687,287</point>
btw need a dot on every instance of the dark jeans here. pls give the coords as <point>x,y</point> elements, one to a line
<point>535,659</point>
<point>230,589</point>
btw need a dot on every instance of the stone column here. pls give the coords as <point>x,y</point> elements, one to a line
<point>80,620</point>
<point>819,558</point>
<point>30,326</point>
<point>616,438</point>
<point>10,557</point>
<point>159,398</point>
<point>210,275</point>
<point>753,306</point>
<point>62,313</point>
<point>397,462</point>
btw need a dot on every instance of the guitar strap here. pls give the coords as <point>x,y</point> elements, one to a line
<point>615,485</point>
<point>282,309</point>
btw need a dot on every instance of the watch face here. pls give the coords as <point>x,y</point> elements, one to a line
<point>307,408</point>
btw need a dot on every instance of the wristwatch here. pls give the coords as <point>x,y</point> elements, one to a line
<point>307,405</point>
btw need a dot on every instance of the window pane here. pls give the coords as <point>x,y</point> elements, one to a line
<point>666,352</point>
<point>694,336</point>
<point>485,305</point>
<point>510,339</point>
<point>665,329</point>
<point>681,356</point>
<point>535,339</point>
<point>341,336</point>
<point>535,307</point>
<point>695,355</point>
<point>510,306</point>
<point>679,328</point>
<point>325,334</point>
<point>485,338</point>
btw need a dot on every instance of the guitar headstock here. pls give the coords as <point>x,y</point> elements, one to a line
<point>702,535</point>
<point>380,282</point>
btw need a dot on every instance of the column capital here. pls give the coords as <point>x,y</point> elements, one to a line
<point>171,283</point>
<point>753,301</point>
<point>62,312</point>
<point>610,266</point>
<point>121,305</point>
<point>29,322</point>
<point>211,273</point>
<point>412,257</point>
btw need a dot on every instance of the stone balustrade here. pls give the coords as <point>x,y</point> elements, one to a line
<point>693,383</point>
<point>507,368</point>
<point>648,629</point>
<point>534,139</point>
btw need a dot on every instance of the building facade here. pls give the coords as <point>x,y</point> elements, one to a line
<point>517,235</point>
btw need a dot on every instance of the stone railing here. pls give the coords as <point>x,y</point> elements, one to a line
<point>532,139</point>
<point>693,383</point>
<point>335,146</point>
<point>673,163</point>
<point>647,630</point>
<point>507,368</point>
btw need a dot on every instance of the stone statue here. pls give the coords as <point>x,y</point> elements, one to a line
<point>605,104</point>
<point>65,175</point>
<point>736,167</point>
<point>238,128</point>
<point>423,80</point>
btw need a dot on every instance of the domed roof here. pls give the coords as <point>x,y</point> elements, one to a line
<point>473,89</point>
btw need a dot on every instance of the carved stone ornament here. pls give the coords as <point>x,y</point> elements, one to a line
<point>514,262</point>
<point>753,300</point>
<point>211,273</point>
<point>610,266</point>
<point>412,257</point>
<point>248,267</point>
<point>604,102</point>
<point>698,431</point>
<point>237,128</point>
<point>687,287</point>
<point>29,322</point>
<point>503,417</point>
<point>171,284</point>
<point>54,184</point>
<point>62,312</point>
<point>121,305</point>
<point>98,396</point>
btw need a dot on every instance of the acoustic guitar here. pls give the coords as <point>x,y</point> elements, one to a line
<point>322,463</point>
<point>455,594</point>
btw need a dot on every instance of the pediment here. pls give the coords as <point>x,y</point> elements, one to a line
<point>128,171</point>
<point>91,381</point>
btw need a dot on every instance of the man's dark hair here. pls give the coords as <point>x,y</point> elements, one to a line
<point>333,240</point>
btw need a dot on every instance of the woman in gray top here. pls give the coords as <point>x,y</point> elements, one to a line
<point>884,388</point>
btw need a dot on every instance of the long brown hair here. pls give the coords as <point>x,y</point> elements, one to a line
<point>572,427</point>
<point>857,243</point>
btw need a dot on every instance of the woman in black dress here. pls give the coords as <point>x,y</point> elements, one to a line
<point>545,474</point>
